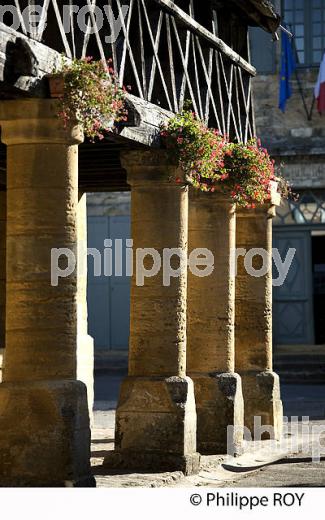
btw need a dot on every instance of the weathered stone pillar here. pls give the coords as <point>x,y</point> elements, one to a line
<point>156,419</point>
<point>85,343</point>
<point>211,306</point>
<point>261,388</point>
<point>44,422</point>
<point>3,217</point>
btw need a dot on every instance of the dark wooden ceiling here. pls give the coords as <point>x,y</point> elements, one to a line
<point>99,166</point>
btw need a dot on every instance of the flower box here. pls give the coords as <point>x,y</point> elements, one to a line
<point>88,94</point>
<point>56,85</point>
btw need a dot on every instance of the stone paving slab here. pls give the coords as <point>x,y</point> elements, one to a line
<point>264,464</point>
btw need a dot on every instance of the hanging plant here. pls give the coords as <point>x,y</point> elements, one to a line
<point>211,163</point>
<point>89,94</point>
<point>200,150</point>
<point>250,173</point>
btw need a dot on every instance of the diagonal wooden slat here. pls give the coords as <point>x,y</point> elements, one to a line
<point>171,62</point>
<point>113,39</point>
<point>156,42</point>
<point>72,28</point>
<point>197,81</point>
<point>221,101</point>
<point>239,115</point>
<point>61,28</point>
<point>156,56</point>
<point>94,23</point>
<point>142,53</point>
<point>229,89</point>
<point>127,47</point>
<point>207,79</point>
<point>247,105</point>
<point>21,19</point>
<point>43,20</point>
<point>185,75</point>
<point>185,65</point>
<point>209,95</point>
<point>86,37</point>
<point>215,29</point>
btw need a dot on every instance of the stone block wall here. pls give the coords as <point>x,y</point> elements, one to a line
<point>294,141</point>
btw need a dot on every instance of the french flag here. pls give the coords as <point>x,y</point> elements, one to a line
<point>320,88</point>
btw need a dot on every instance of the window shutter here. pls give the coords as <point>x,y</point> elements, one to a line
<point>262,51</point>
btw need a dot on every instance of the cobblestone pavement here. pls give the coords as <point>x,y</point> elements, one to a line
<point>288,464</point>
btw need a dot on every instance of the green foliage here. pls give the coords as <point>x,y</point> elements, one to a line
<point>210,162</point>
<point>200,150</point>
<point>92,97</point>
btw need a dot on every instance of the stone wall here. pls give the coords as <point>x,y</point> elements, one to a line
<point>289,133</point>
<point>294,141</point>
<point>109,204</point>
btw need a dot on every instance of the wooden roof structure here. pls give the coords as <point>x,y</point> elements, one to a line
<point>168,51</point>
<point>259,13</point>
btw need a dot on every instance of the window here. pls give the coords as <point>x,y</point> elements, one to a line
<point>306,19</point>
<point>308,209</point>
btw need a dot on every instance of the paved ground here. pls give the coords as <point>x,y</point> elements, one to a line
<point>288,464</point>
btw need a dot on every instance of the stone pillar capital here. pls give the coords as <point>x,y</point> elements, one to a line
<point>152,167</point>
<point>260,211</point>
<point>211,199</point>
<point>35,121</point>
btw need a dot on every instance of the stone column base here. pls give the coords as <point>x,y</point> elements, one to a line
<point>263,403</point>
<point>85,368</point>
<point>219,405</point>
<point>44,434</point>
<point>155,426</point>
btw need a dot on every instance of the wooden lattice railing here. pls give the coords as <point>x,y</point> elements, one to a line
<point>160,51</point>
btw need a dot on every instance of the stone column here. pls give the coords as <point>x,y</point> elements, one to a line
<point>85,343</point>
<point>44,422</point>
<point>156,419</point>
<point>3,216</point>
<point>261,386</point>
<point>211,306</point>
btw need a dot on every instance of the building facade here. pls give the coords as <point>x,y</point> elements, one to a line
<point>296,138</point>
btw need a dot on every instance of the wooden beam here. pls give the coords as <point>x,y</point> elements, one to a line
<point>199,30</point>
<point>147,119</point>
<point>43,60</point>
<point>144,118</point>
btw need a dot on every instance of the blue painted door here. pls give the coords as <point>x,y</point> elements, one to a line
<point>293,302</point>
<point>108,296</point>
